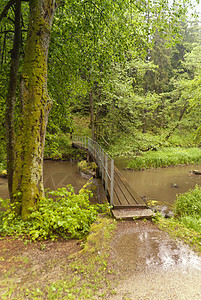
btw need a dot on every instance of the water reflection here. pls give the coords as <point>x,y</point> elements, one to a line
<point>143,246</point>
<point>56,174</point>
<point>162,184</point>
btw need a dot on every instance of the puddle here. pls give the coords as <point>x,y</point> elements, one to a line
<point>141,246</point>
<point>151,265</point>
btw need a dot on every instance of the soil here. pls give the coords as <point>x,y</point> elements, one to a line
<point>146,262</point>
<point>33,263</point>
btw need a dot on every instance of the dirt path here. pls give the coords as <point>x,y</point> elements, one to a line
<point>150,265</point>
<point>147,265</point>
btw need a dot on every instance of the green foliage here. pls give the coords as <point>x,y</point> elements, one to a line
<point>51,146</point>
<point>189,203</point>
<point>87,166</point>
<point>192,222</point>
<point>166,157</point>
<point>61,214</point>
<point>187,209</point>
<point>177,229</point>
<point>59,146</point>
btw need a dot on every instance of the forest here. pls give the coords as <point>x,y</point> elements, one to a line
<point>126,73</point>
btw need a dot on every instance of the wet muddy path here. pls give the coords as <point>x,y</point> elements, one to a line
<point>150,265</point>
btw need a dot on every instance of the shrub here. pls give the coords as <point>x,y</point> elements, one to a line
<point>61,214</point>
<point>192,222</point>
<point>187,209</point>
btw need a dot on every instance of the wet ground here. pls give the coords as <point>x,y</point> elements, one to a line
<point>151,265</point>
<point>144,263</point>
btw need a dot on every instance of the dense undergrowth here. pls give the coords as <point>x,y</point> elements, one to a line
<point>62,214</point>
<point>139,143</point>
<point>60,147</point>
<point>188,209</point>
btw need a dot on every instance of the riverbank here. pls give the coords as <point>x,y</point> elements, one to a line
<point>123,260</point>
<point>165,157</point>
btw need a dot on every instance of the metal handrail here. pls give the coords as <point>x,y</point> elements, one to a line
<point>102,159</point>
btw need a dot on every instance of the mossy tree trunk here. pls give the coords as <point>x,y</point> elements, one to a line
<point>11,97</point>
<point>28,187</point>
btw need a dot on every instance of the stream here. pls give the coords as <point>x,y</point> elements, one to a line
<point>150,264</point>
<point>162,184</point>
<point>57,174</point>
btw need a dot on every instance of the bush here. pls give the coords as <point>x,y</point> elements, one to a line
<point>61,214</point>
<point>60,147</point>
<point>192,222</point>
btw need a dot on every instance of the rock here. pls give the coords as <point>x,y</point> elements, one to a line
<point>197,172</point>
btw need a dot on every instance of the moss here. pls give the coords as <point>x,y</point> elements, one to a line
<point>4,174</point>
<point>97,191</point>
<point>99,237</point>
<point>28,173</point>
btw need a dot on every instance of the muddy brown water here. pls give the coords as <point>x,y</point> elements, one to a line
<point>162,184</point>
<point>150,264</point>
<point>57,174</point>
<point>153,266</point>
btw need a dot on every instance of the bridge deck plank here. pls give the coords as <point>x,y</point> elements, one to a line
<point>123,195</point>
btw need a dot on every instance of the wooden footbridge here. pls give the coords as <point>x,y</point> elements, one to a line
<point>124,200</point>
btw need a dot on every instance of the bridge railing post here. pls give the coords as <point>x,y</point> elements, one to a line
<point>106,172</point>
<point>112,182</point>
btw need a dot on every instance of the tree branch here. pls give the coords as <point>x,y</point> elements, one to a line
<point>6,9</point>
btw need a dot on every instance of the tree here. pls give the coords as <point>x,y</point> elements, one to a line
<point>28,172</point>
<point>27,186</point>
<point>100,33</point>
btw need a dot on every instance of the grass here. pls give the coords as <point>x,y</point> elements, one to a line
<point>137,142</point>
<point>187,209</point>
<point>178,230</point>
<point>189,203</point>
<point>166,157</point>
<point>83,276</point>
<point>186,224</point>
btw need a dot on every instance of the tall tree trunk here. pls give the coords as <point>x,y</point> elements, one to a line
<point>28,187</point>
<point>10,103</point>
<point>91,100</point>
<point>144,129</point>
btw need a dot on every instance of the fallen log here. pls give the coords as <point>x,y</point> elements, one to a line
<point>197,172</point>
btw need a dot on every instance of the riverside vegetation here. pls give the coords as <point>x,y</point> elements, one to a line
<point>64,215</point>
<point>42,226</point>
<point>186,223</point>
